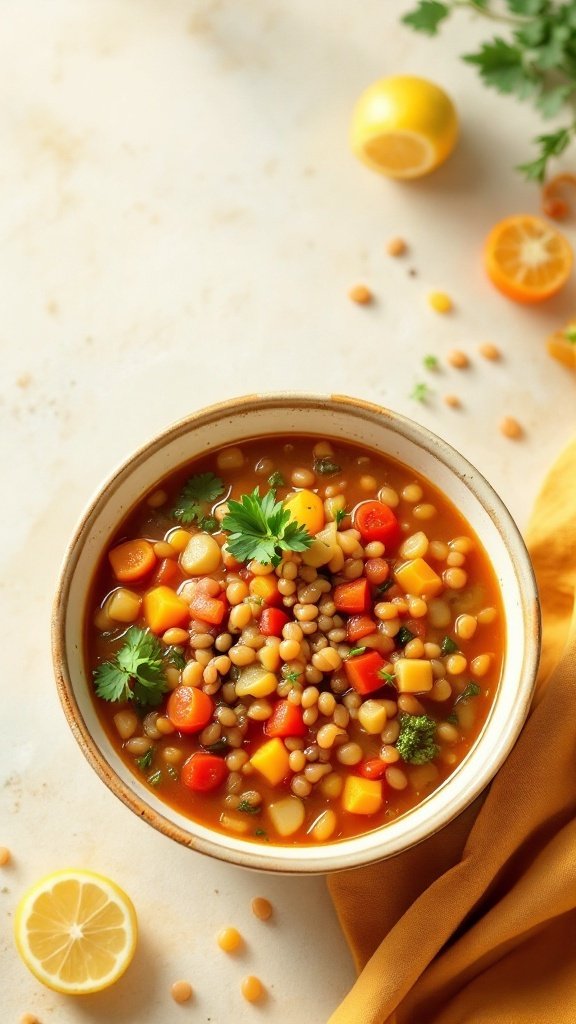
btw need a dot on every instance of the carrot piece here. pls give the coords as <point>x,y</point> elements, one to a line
<point>363,672</point>
<point>208,609</point>
<point>359,626</point>
<point>285,720</point>
<point>132,560</point>
<point>272,621</point>
<point>352,597</point>
<point>189,708</point>
<point>167,572</point>
<point>164,609</point>
<point>376,521</point>
<point>266,587</point>
<point>203,772</point>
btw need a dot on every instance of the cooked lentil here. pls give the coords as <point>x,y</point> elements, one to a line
<point>181,991</point>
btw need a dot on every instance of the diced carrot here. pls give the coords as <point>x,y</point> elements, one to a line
<point>266,587</point>
<point>203,772</point>
<point>272,621</point>
<point>353,597</point>
<point>285,720</point>
<point>189,708</point>
<point>363,671</point>
<point>376,521</point>
<point>208,609</point>
<point>359,626</point>
<point>132,560</point>
<point>164,609</point>
<point>167,572</point>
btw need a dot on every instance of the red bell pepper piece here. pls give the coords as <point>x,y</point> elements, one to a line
<point>362,671</point>
<point>373,768</point>
<point>359,626</point>
<point>285,720</point>
<point>208,609</point>
<point>375,521</point>
<point>203,772</point>
<point>272,621</point>
<point>353,597</point>
<point>167,572</point>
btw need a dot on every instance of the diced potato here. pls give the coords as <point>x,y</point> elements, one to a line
<point>418,578</point>
<point>164,609</point>
<point>201,555</point>
<point>256,681</point>
<point>423,776</point>
<point>413,675</point>
<point>271,760</point>
<point>362,796</point>
<point>287,815</point>
<point>307,508</point>
<point>372,716</point>
<point>323,827</point>
<point>178,539</point>
<point>234,823</point>
<point>323,547</point>
<point>124,605</point>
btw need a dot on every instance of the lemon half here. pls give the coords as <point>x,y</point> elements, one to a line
<point>76,931</point>
<point>404,126</point>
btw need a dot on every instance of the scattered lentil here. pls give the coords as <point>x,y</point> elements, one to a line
<point>440,302</point>
<point>360,294</point>
<point>229,939</point>
<point>181,991</point>
<point>261,908</point>
<point>489,351</point>
<point>510,428</point>
<point>458,359</point>
<point>396,247</point>
<point>252,989</point>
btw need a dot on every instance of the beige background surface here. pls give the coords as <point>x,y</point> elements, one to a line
<point>180,221</point>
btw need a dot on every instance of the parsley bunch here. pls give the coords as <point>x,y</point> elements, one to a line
<point>197,493</point>
<point>261,528</point>
<point>137,671</point>
<point>536,63</point>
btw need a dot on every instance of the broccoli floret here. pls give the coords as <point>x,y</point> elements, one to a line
<point>416,743</point>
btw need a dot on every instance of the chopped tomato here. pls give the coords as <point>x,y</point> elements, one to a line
<point>359,626</point>
<point>272,621</point>
<point>166,573</point>
<point>208,609</point>
<point>189,709</point>
<point>353,597</point>
<point>373,768</point>
<point>285,720</point>
<point>203,772</point>
<point>362,672</point>
<point>375,521</point>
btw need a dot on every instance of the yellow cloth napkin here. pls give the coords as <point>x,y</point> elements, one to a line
<point>477,925</point>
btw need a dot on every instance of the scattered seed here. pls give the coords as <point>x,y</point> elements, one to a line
<point>252,988</point>
<point>181,991</point>
<point>361,295</point>
<point>229,939</point>
<point>452,401</point>
<point>261,908</point>
<point>489,351</point>
<point>396,247</point>
<point>4,855</point>
<point>440,302</point>
<point>458,359</point>
<point>510,428</point>
<point>29,1018</point>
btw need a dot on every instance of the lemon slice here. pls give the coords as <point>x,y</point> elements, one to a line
<point>404,126</point>
<point>76,931</point>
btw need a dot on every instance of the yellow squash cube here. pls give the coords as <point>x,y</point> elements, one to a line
<point>413,675</point>
<point>271,760</point>
<point>163,609</point>
<point>418,578</point>
<point>361,796</point>
<point>307,508</point>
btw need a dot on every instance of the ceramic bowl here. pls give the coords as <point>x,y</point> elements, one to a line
<point>336,417</point>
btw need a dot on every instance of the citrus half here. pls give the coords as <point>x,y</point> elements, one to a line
<point>527,259</point>
<point>76,931</point>
<point>404,126</point>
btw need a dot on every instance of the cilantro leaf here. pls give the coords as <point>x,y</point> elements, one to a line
<point>404,636</point>
<point>276,480</point>
<point>427,17</point>
<point>248,808</point>
<point>550,145</point>
<point>198,490</point>
<point>355,651</point>
<point>527,8</point>
<point>388,677</point>
<point>448,646</point>
<point>112,682</point>
<point>502,67</point>
<point>430,362</point>
<point>339,515</point>
<point>552,100</point>
<point>327,467</point>
<point>472,690</point>
<point>261,528</point>
<point>145,761</point>
<point>420,392</point>
<point>137,672</point>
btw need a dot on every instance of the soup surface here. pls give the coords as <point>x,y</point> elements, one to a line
<point>295,640</point>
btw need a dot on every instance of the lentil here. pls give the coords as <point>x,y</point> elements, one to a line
<point>396,247</point>
<point>261,908</point>
<point>4,856</point>
<point>181,991</point>
<point>360,294</point>
<point>252,989</point>
<point>511,428</point>
<point>489,351</point>
<point>458,359</point>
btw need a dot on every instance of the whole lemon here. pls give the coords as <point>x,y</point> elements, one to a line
<point>404,126</point>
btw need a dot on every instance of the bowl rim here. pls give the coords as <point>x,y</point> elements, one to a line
<point>253,855</point>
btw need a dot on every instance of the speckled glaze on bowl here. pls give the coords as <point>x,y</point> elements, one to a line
<point>365,424</point>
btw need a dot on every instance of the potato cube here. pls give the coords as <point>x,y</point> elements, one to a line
<point>372,716</point>
<point>202,555</point>
<point>362,796</point>
<point>418,578</point>
<point>124,605</point>
<point>271,760</point>
<point>163,609</point>
<point>287,815</point>
<point>256,681</point>
<point>413,675</point>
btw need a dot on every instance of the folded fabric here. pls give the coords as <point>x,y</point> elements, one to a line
<point>477,925</point>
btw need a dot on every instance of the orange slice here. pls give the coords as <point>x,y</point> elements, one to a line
<point>527,259</point>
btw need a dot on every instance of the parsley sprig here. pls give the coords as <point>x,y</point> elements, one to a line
<point>137,671</point>
<point>261,528</point>
<point>196,495</point>
<point>535,63</point>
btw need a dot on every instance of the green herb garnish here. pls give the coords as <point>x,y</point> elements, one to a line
<point>197,492</point>
<point>209,524</point>
<point>448,646</point>
<point>219,747</point>
<point>570,335</point>
<point>430,362</point>
<point>276,480</point>
<point>452,718</point>
<point>171,771</point>
<point>327,467</point>
<point>355,651</point>
<point>339,515</point>
<point>420,392</point>
<point>175,656</point>
<point>416,742</point>
<point>404,636</point>
<point>472,690</point>
<point>155,779</point>
<point>536,62</point>
<point>291,676</point>
<point>388,677</point>
<point>261,528</point>
<point>247,808</point>
<point>137,671</point>
<point>145,761</point>
<point>383,587</point>
<point>261,833</point>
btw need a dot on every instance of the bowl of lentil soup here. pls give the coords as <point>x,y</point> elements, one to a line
<point>296,633</point>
